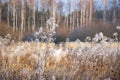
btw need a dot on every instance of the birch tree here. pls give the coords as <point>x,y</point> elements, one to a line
<point>22,15</point>
<point>82,7</point>
<point>12,4</point>
<point>59,11</point>
<point>54,12</point>
<point>114,11</point>
<point>16,21</point>
<point>29,14</point>
<point>73,15</point>
<point>104,11</point>
<point>34,11</point>
<point>45,4</point>
<point>69,14</point>
<point>14,10</point>
<point>91,10</point>
<point>0,9</point>
<point>8,21</point>
<point>87,13</point>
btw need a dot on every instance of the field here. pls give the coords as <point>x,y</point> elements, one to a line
<point>59,39</point>
<point>64,61</point>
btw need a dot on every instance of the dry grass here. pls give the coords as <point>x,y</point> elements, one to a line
<point>4,30</point>
<point>68,61</point>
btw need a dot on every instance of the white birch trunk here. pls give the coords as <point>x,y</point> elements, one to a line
<point>91,11</point>
<point>34,21</point>
<point>105,11</point>
<point>87,17</point>
<point>81,18</point>
<point>22,17</point>
<point>0,9</point>
<point>41,21</point>
<point>8,21</point>
<point>73,22</point>
<point>77,20</point>
<point>28,22</point>
<point>82,12</point>
<point>114,11</point>
<point>14,16</point>
<point>16,23</point>
<point>67,20</point>
<point>0,15</point>
<point>53,12</point>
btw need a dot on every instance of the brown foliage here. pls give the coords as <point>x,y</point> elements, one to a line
<point>25,64</point>
<point>91,29</point>
<point>4,30</point>
<point>62,32</point>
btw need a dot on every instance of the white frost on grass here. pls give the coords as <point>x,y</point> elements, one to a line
<point>76,55</point>
<point>59,53</point>
<point>19,51</point>
<point>118,27</point>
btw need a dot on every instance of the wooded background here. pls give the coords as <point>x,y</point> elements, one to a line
<point>29,15</point>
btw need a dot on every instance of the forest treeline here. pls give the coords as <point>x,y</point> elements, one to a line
<point>29,15</point>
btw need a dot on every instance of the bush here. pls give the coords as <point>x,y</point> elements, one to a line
<point>62,32</point>
<point>4,30</point>
<point>28,37</point>
<point>108,29</point>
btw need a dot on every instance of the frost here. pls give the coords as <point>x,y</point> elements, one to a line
<point>118,27</point>
<point>7,40</point>
<point>53,77</point>
<point>58,54</point>
<point>67,40</point>
<point>78,41</point>
<point>115,34</point>
<point>67,60</point>
<point>88,39</point>
<point>18,51</point>
<point>56,59</point>
<point>100,38</point>
<point>96,38</point>
<point>47,34</point>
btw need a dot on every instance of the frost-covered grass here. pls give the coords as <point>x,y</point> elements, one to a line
<point>64,61</point>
